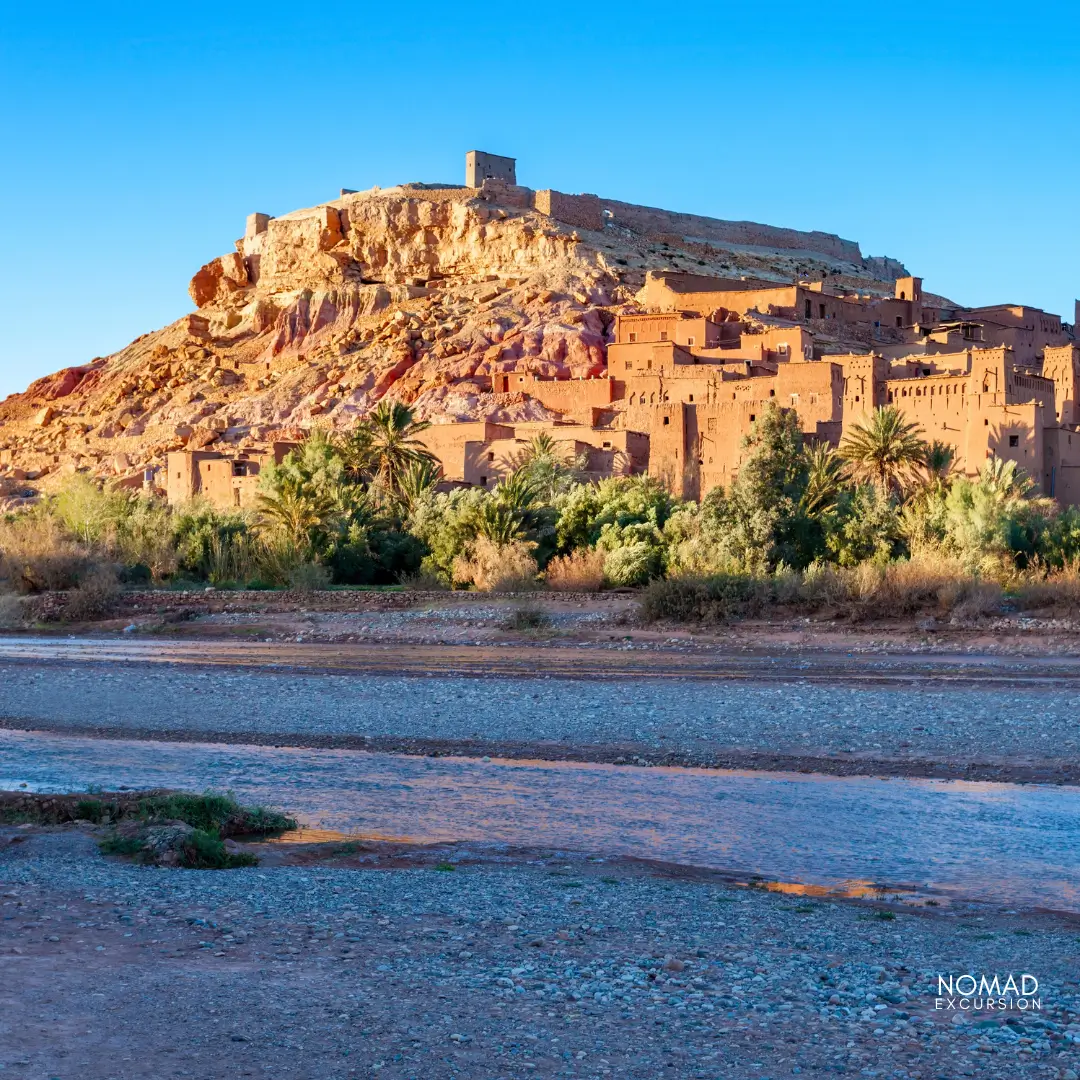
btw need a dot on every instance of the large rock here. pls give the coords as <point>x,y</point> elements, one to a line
<point>218,279</point>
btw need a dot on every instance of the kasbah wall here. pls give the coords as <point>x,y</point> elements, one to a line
<point>692,397</point>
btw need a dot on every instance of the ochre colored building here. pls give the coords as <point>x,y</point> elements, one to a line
<point>688,377</point>
<point>223,480</point>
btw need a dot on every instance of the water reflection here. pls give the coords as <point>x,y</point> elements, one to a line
<point>1012,844</point>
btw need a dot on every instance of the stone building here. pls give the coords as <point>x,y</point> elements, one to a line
<point>481,454</point>
<point>222,480</point>
<point>687,377</point>
<point>481,166</point>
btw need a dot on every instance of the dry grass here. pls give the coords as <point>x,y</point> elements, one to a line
<point>492,567</point>
<point>37,555</point>
<point>580,571</point>
<point>95,596</point>
<point>1057,592</point>
<point>12,614</point>
<point>424,581</point>
<point>527,616</point>
<point>920,586</point>
<point>869,591</point>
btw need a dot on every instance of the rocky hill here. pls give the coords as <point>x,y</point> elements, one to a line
<point>419,291</point>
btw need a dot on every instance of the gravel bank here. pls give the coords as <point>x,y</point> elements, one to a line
<point>903,728</point>
<point>559,967</point>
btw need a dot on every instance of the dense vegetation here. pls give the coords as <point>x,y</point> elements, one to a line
<point>800,522</point>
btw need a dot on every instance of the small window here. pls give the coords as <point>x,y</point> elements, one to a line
<point>752,418</point>
<point>483,481</point>
<point>1014,440</point>
<point>986,423</point>
<point>663,335</point>
<point>491,457</point>
<point>633,337</point>
<point>857,397</point>
<point>899,321</point>
<point>691,397</point>
<point>772,393</point>
<point>629,366</point>
<point>809,310</point>
<point>667,420</point>
<point>239,468</point>
<point>821,311</point>
<point>607,446</point>
<point>690,341</point>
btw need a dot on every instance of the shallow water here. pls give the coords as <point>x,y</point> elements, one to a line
<point>1009,844</point>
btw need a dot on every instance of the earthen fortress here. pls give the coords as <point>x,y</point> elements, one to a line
<point>642,340</point>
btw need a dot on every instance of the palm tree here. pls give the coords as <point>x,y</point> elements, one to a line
<point>301,512</point>
<point>824,475</point>
<point>1005,478</point>
<point>550,468</point>
<point>394,446</point>
<point>356,454</point>
<point>884,449</point>
<point>416,481</point>
<point>507,514</point>
<point>938,460</point>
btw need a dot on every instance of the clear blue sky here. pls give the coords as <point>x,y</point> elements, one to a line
<point>137,138</point>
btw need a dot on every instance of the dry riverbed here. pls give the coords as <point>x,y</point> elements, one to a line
<point>352,958</point>
<point>342,961</point>
<point>856,710</point>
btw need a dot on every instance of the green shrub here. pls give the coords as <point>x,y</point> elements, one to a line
<point>213,813</point>
<point>527,617</point>
<point>129,847</point>
<point>90,810</point>
<point>634,564</point>
<point>205,850</point>
<point>309,577</point>
<point>716,598</point>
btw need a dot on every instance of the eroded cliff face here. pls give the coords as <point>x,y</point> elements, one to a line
<point>416,292</point>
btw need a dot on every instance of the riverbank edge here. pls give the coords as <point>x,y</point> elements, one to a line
<point>622,754</point>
